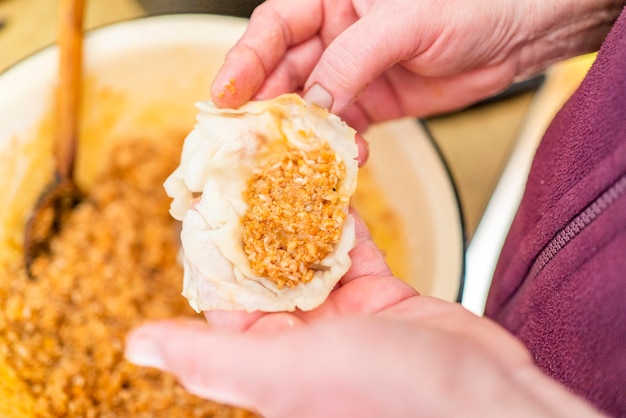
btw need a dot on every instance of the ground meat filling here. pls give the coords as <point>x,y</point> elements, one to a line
<point>112,267</point>
<point>295,214</point>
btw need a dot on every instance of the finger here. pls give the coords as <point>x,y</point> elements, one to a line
<point>232,320</point>
<point>274,27</point>
<point>355,117</point>
<point>396,94</point>
<point>441,94</point>
<point>248,370</point>
<point>291,73</point>
<point>349,63</point>
<point>275,322</point>
<point>144,350</point>
<point>364,149</point>
<point>363,112</point>
<point>377,103</point>
<point>177,347</point>
<point>367,259</point>
<point>302,372</point>
<point>298,61</point>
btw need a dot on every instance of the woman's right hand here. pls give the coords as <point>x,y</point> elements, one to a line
<point>373,60</point>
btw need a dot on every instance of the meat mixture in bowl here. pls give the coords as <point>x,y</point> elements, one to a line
<point>112,267</point>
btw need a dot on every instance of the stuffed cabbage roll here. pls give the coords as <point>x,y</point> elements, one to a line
<point>263,193</point>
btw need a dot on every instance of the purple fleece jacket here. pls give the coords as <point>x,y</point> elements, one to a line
<point>560,284</point>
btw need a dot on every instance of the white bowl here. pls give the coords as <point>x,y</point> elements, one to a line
<point>143,77</point>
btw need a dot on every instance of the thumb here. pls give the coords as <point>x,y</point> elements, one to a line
<point>357,57</point>
<point>209,363</point>
<point>275,374</point>
<point>351,366</point>
<point>367,259</point>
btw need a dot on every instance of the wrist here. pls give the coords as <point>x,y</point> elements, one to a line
<point>564,29</point>
<point>554,399</point>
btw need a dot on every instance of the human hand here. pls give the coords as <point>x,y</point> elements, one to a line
<point>375,348</point>
<point>373,60</point>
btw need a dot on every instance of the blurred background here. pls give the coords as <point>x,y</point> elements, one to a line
<point>242,8</point>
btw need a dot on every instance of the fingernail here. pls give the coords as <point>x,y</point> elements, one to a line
<point>319,96</point>
<point>143,350</point>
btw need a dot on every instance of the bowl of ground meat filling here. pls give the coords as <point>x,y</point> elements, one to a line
<point>115,263</point>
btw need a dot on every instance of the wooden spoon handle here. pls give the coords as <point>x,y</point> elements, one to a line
<point>70,41</point>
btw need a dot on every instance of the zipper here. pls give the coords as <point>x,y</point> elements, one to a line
<point>565,235</point>
<point>577,224</point>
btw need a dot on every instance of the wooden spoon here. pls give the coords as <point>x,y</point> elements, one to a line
<point>62,194</point>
